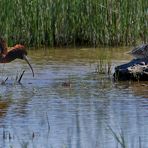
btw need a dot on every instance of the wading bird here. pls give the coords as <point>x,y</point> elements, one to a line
<point>16,52</point>
<point>140,52</point>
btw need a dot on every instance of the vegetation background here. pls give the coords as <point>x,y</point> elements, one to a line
<point>74,22</point>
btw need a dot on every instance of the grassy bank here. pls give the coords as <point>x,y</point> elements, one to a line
<point>74,22</point>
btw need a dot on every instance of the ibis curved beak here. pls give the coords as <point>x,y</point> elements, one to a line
<point>26,59</point>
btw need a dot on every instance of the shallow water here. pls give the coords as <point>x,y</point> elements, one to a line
<point>72,101</point>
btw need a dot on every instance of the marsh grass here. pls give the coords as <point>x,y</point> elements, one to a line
<point>104,64</point>
<point>104,67</point>
<point>76,22</point>
<point>13,140</point>
<point>120,138</point>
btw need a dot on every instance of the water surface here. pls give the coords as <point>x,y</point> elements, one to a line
<point>72,101</point>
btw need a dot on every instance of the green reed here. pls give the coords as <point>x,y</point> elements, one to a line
<point>74,22</point>
<point>121,139</point>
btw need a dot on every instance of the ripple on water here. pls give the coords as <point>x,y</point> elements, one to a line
<point>78,113</point>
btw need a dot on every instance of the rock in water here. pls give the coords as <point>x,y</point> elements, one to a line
<point>137,69</point>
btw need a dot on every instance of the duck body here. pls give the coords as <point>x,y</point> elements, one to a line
<point>140,52</point>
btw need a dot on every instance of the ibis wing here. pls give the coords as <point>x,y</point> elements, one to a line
<point>3,47</point>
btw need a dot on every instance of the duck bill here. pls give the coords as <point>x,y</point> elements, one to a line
<point>26,59</point>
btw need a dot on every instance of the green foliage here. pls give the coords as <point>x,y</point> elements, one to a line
<point>74,22</point>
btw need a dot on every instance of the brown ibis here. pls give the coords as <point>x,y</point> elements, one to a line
<point>16,52</point>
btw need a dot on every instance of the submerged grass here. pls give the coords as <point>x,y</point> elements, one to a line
<point>76,22</point>
<point>121,139</point>
<point>104,67</point>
